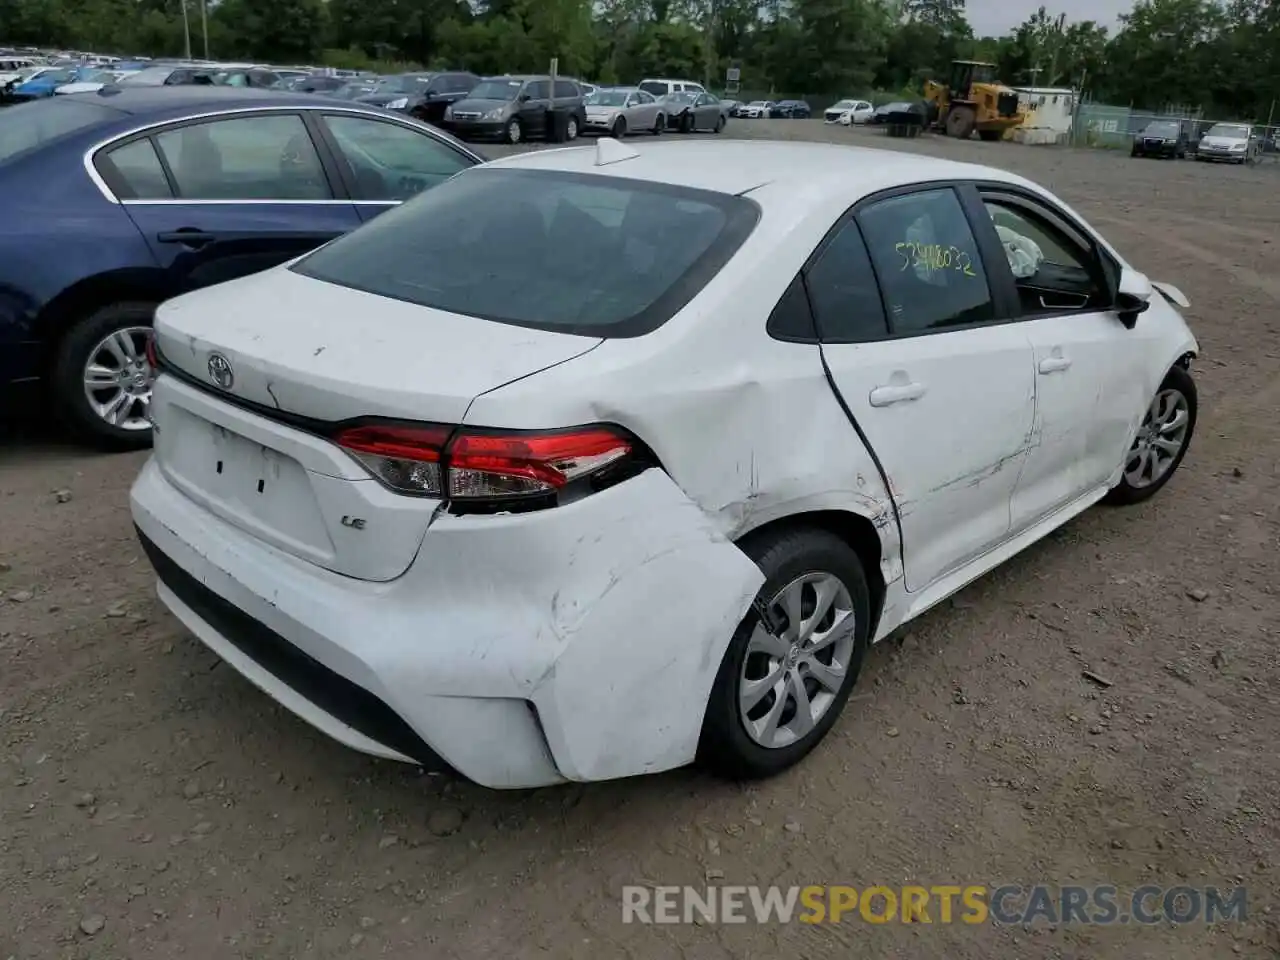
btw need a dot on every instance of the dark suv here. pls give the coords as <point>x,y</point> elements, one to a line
<point>516,108</point>
<point>423,95</point>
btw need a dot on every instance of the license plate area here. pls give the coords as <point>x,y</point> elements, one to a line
<point>253,486</point>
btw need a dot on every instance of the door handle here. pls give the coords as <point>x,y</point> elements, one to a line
<point>1054,364</point>
<point>187,236</point>
<point>896,393</point>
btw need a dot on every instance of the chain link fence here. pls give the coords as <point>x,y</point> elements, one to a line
<point>1113,127</point>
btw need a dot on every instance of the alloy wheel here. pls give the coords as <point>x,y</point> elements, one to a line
<point>118,378</point>
<point>790,678</point>
<point>1159,440</point>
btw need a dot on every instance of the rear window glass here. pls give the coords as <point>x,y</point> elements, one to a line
<point>654,87</point>
<point>27,126</point>
<point>574,253</point>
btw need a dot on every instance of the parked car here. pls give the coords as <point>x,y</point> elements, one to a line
<point>848,112</point>
<point>423,95</point>
<point>880,115</point>
<point>355,89</point>
<point>758,110</point>
<point>258,77</point>
<point>314,83</point>
<point>690,112</point>
<point>731,107</point>
<point>662,88</point>
<point>622,110</point>
<point>790,110</point>
<point>1230,142</point>
<point>132,195</point>
<point>516,108</point>
<point>1161,138</point>
<point>171,75</point>
<point>437,534</point>
<point>43,83</point>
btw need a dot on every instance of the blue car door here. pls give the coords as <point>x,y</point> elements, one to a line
<point>221,198</point>
<point>384,162</point>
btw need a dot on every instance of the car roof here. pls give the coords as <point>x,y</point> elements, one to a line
<point>822,172</point>
<point>145,101</point>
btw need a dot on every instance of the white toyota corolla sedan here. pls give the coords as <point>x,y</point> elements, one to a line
<point>596,461</point>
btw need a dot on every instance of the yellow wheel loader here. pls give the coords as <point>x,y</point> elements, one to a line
<point>973,99</point>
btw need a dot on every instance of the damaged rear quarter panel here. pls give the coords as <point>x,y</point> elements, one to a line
<point>611,615</point>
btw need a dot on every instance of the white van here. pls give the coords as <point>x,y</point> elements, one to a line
<point>660,88</point>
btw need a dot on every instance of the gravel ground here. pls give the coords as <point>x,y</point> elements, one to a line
<point>153,804</point>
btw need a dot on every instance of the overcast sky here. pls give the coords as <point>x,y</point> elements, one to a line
<point>997,17</point>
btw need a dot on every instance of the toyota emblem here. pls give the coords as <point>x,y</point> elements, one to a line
<point>220,371</point>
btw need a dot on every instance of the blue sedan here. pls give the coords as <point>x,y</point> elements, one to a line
<point>116,201</point>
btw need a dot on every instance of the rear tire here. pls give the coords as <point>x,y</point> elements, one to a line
<point>1171,418</point>
<point>571,128</point>
<point>787,557</point>
<point>106,341</point>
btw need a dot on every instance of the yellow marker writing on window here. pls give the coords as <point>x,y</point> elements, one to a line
<point>934,257</point>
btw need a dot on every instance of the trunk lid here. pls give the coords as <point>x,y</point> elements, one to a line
<point>298,346</point>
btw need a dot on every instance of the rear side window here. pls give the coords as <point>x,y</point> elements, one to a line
<point>28,126</point>
<point>927,260</point>
<point>567,88</point>
<point>655,88</point>
<point>245,158</point>
<point>133,172</point>
<point>575,253</point>
<point>842,287</point>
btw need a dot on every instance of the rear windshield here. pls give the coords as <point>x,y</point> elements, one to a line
<point>27,126</point>
<point>1162,128</point>
<point>573,253</point>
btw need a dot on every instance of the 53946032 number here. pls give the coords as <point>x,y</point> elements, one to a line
<point>934,257</point>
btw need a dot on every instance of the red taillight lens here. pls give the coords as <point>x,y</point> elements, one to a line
<point>406,459</point>
<point>152,357</point>
<point>440,461</point>
<point>514,464</point>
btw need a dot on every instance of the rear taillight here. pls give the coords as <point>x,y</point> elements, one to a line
<point>406,459</point>
<point>489,468</point>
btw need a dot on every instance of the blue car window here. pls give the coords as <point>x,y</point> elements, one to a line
<point>245,158</point>
<point>134,172</point>
<point>391,162</point>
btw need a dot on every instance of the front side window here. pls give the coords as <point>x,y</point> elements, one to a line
<point>1052,268</point>
<point>574,253</point>
<point>927,260</point>
<point>391,162</point>
<point>538,89</point>
<point>245,158</point>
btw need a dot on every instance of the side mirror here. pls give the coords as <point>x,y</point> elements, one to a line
<point>1133,296</point>
<point>524,97</point>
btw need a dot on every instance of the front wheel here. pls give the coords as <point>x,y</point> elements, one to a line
<point>1161,441</point>
<point>102,379</point>
<point>782,683</point>
<point>659,125</point>
<point>619,129</point>
<point>514,132</point>
<point>686,123</point>
<point>719,123</point>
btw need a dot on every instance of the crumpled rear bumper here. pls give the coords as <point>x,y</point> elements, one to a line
<point>577,643</point>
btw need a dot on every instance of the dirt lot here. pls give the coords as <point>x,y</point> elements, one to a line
<point>153,804</point>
